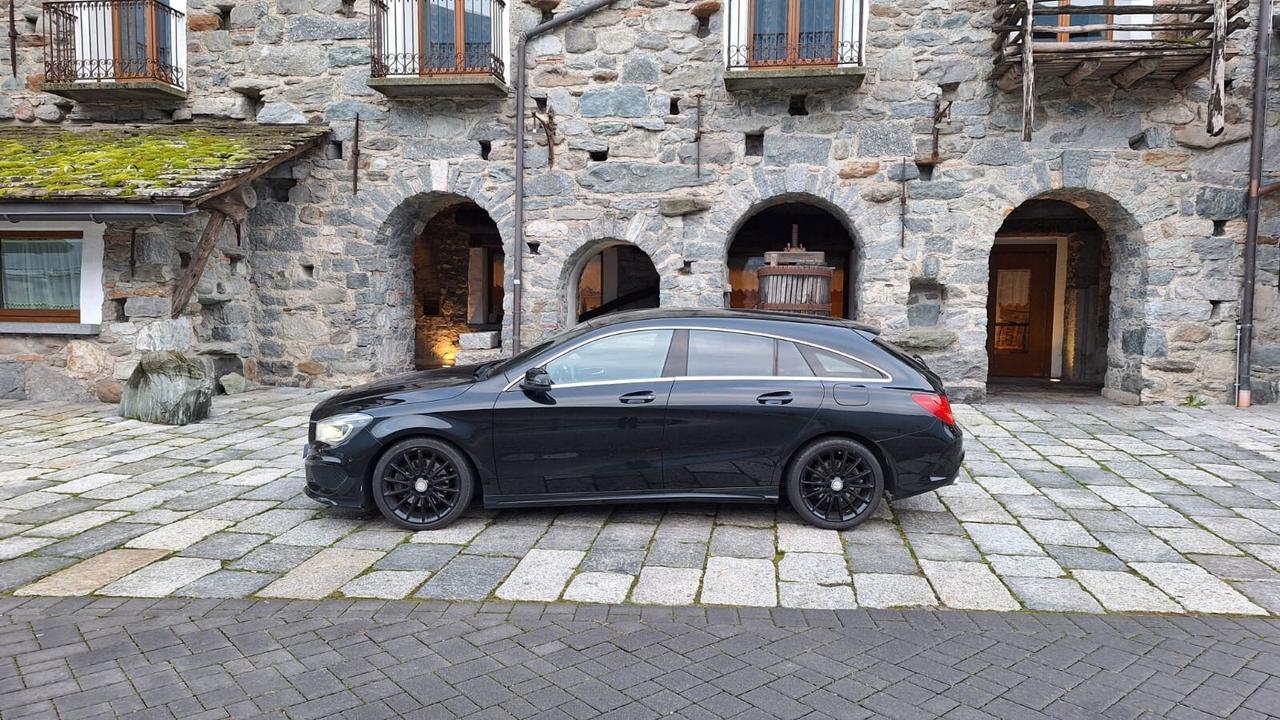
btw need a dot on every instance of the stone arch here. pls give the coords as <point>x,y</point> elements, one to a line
<point>1131,337</point>
<point>818,213</point>
<point>642,290</point>
<point>395,313</point>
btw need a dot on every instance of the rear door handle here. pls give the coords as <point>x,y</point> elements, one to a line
<point>637,398</point>
<point>781,397</point>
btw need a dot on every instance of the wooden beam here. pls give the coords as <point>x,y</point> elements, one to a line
<point>1135,72</point>
<point>1184,79</point>
<point>1103,27</point>
<point>1028,75</point>
<point>1012,78</point>
<point>199,258</point>
<point>1216,120</point>
<point>1145,9</point>
<point>233,205</point>
<point>1081,71</point>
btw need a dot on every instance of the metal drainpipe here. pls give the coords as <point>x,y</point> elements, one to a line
<point>1261,52</point>
<point>517,284</point>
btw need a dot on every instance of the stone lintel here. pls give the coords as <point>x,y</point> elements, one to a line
<point>795,78</point>
<point>440,86</point>
<point>108,91</point>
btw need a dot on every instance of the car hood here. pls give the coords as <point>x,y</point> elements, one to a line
<point>425,386</point>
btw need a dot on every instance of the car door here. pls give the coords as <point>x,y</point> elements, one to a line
<point>737,409</point>
<point>598,429</point>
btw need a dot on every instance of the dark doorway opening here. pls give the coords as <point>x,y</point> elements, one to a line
<point>1048,308</point>
<point>457,282</point>
<point>615,278</point>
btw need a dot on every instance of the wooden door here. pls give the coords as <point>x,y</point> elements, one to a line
<point>1020,310</point>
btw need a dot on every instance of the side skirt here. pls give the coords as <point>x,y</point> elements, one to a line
<point>741,495</point>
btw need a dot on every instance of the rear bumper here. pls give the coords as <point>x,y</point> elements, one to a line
<point>926,461</point>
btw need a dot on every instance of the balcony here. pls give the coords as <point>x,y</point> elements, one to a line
<point>794,44</point>
<point>101,51</point>
<point>438,48</point>
<point>1125,41</point>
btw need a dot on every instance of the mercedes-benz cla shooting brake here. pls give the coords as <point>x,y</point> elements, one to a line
<point>654,405</point>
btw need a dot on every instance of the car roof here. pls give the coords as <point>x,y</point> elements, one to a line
<point>727,314</point>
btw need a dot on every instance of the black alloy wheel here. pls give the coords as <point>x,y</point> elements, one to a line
<point>835,483</point>
<point>423,484</point>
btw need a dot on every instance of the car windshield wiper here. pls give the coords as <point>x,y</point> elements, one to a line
<point>484,371</point>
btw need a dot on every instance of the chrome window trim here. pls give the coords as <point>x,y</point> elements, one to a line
<point>885,377</point>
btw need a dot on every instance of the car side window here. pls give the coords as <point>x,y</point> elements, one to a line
<point>729,354</point>
<point>828,364</point>
<point>636,355</point>
<point>790,362</point>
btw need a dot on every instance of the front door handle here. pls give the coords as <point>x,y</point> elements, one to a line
<point>637,398</point>
<point>782,397</point>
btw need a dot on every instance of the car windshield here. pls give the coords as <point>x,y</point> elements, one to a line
<point>504,366</point>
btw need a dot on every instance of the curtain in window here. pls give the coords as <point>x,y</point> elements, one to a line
<point>40,274</point>
<point>438,28</point>
<point>817,31</point>
<point>769,31</point>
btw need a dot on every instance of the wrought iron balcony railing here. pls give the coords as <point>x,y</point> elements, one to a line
<point>773,34</point>
<point>113,41</point>
<point>437,37</point>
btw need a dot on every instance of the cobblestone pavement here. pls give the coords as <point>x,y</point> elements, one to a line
<point>193,659</point>
<point>1069,507</point>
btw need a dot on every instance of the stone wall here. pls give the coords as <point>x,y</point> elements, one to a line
<point>141,262</point>
<point>1137,160</point>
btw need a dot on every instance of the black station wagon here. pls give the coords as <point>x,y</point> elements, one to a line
<point>653,405</point>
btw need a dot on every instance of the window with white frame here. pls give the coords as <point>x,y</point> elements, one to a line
<point>51,275</point>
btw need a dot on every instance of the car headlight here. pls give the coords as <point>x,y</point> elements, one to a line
<point>339,428</point>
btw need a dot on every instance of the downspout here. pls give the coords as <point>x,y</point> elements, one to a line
<point>517,269</point>
<point>1257,138</point>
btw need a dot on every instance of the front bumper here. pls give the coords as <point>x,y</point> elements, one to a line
<point>336,477</point>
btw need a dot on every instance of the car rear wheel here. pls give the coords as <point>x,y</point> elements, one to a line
<point>835,483</point>
<point>423,484</point>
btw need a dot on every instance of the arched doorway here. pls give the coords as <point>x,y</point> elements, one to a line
<point>457,281</point>
<point>772,228</point>
<point>612,278</point>
<point>1049,310</point>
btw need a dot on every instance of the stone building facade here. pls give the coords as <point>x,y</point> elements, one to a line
<point>651,148</point>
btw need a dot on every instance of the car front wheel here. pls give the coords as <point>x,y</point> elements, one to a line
<point>423,484</point>
<point>835,483</point>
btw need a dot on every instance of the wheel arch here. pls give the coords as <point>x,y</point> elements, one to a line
<point>419,432</point>
<point>886,464</point>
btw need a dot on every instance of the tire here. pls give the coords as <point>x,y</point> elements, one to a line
<point>819,483</point>
<point>423,484</point>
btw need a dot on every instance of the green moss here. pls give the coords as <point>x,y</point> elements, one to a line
<point>68,162</point>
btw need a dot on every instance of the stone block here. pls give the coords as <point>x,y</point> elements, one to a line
<point>619,101</point>
<point>13,380</point>
<point>480,340</point>
<point>167,388</point>
<point>147,307</point>
<point>49,383</point>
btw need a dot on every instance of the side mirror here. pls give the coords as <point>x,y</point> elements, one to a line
<point>536,380</point>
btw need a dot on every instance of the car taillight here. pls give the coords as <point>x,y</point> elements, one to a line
<point>937,405</point>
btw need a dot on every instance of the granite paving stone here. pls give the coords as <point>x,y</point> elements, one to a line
<point>540,575</point>
<point>321,574</point>
<point>161,578</point>
<point>89,575</point>
<point>1057,502</point>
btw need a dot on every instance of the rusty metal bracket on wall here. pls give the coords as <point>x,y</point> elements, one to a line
<point>13,37</point>
<point>355,159</point>
<point>548,125</point>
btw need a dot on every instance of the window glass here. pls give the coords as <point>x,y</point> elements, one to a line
<point>39,274</point>
<point>829,364</point>
<point>728,354</point>
<point>790,362</point>
<point>629,356</point>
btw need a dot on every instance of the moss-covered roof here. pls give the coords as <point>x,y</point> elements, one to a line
<point>139,162</point>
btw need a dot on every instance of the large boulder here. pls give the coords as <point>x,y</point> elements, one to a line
<point>167,388</point>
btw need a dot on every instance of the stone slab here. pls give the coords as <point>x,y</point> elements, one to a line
<point>540,575</point>
<point>321,574</point>
<point>89,575</point>
<point>740,581</point>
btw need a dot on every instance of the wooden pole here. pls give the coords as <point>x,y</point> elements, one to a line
<point>1135,72</point>
<point>1028,74</point>
<point>199,258</point>
<point>1216,121</point>
<point>1081,71</point>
